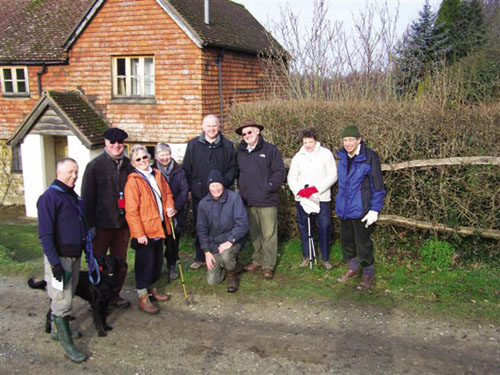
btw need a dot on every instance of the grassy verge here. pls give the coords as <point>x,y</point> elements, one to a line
<point>468,292</point>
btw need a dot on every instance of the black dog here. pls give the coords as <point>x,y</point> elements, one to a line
<point>98,296</point>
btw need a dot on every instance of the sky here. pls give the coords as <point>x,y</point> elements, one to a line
<point>265,11</point>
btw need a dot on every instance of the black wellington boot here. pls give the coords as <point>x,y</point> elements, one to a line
<point>66,341</point>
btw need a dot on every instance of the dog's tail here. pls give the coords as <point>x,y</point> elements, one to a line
<point>34,284</point>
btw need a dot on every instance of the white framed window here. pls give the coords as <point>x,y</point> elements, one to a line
<point>15,80</point>
<point>133,77</point>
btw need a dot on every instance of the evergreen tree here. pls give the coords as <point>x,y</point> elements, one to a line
<point>463,22</point>
<point>420,52</point>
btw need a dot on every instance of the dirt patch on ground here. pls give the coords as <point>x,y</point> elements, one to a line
<point>225,335</point>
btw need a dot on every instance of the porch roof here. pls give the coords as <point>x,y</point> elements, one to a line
<point>75,112</point>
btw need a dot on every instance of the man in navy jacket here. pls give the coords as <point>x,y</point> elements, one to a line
<point>62,233</point>
<point>261,174</point>
<point>221,225</point>
<point>358,204</point>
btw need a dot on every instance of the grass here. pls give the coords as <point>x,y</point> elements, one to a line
<point>469,292</point>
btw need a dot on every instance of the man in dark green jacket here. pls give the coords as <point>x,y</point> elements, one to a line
<point>261,174</point>
<point>102,191</point>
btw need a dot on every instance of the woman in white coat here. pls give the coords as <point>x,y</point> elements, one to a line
<point>312,173</point>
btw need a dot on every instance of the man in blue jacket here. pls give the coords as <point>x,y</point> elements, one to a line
<point>62,232</point>
<point>358,204</point>
<point>221,225</point>
<point>261,174</point>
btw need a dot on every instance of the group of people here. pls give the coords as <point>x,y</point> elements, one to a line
<point>145,200</point>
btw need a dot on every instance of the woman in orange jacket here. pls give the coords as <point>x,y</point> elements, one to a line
<point>149,205</point>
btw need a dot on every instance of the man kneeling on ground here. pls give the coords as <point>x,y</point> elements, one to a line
<point>221,225</point>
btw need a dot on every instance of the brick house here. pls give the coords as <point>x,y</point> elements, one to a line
<point>151,67</point>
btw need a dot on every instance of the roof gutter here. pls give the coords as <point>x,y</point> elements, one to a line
<point>34,62</point>
<point>39,75</point>
<point>218,61</point>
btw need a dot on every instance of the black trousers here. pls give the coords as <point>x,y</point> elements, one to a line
<point>172,249</point>
<point>148,263</point>
<point>356,241</point>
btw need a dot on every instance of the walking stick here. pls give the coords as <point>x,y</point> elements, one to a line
<point>179,264</point>
<point>312,251</point>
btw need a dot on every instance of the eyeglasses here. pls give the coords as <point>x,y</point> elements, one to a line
<point>144,157</point>
<point>247,133</point>
<point>119,142</point>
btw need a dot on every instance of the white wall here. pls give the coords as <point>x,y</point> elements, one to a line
<point>82,155</point>
<point>178,150</point>
<point>34,176</point>
<point>39,166</point>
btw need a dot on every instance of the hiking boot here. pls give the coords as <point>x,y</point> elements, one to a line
<point>253,267</point>
<point>157,296</point>
<point>305,263</point>
<point>66,341</point>
<point>118,301</point>
<point>146,305</point>
<point>172,272</point>
<point>348,275</point>
<point>267,273</point>
<point>327,265</point>
<point>366,282</point>
<point>233,281</point>
<point>196,265</point>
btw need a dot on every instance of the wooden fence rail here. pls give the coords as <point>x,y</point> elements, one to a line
<point>417,224</point>
<point>483,160</point>
<point>463,231</point>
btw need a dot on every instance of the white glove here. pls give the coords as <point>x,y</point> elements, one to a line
<point>370,218</point>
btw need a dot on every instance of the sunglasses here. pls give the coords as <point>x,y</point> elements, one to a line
<point>113,142</point>
<point>247,133</point>
<point>144,157</point>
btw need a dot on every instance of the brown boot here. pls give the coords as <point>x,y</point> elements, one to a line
<point>366,282</point>
<point>253,267</point>
<point>146,306</point>
<point>157,296</point>
<point>233,281</point>
<point>349,275</point>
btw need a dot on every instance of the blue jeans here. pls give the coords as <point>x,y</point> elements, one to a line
<point>324,225</point>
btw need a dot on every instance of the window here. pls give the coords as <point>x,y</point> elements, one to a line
<point>133,77</point>
<point>16,165</point>
<point>15,81</point>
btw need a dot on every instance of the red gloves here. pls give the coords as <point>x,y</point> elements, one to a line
<point>307,192</point>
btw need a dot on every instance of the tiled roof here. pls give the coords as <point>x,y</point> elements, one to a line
<point>81,114</point>
<point>75,112</point>
<point>230,25</point>
<point>35,30</point>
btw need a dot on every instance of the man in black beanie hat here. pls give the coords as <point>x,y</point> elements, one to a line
<point>210,150</point>
<point>102,191</point>
<point>221,225</point>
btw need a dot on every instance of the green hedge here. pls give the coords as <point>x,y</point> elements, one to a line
<point>456,195</point>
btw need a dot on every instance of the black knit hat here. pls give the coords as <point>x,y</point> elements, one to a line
<point>350,131</point>
<point>215,176</point>
<point>115,135</point>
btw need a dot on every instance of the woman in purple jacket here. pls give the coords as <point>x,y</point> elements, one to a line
<point>176,178</point>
